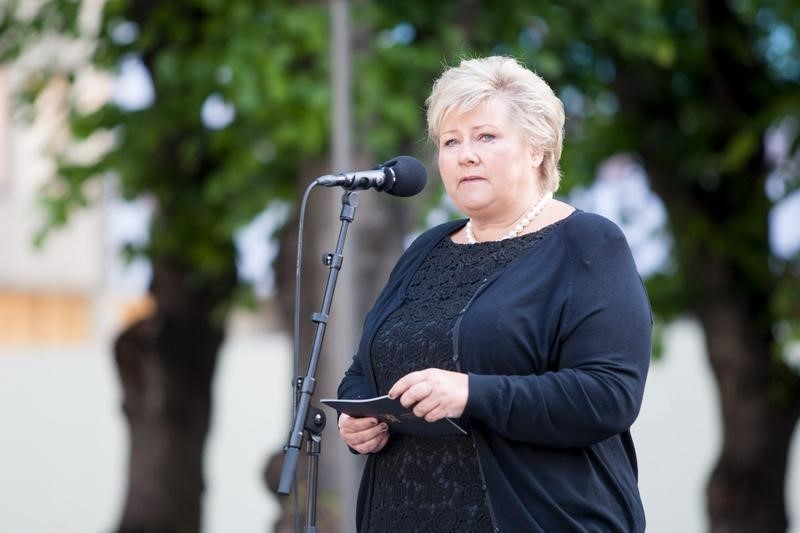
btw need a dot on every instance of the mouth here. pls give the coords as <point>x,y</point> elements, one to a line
<point>469,179</point>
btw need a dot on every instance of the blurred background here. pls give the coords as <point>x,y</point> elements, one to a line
<point>152,159</point>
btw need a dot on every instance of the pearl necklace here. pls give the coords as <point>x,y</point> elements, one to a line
<point>526,219</point>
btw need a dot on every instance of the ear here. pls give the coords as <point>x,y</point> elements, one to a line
<point>537,156</point>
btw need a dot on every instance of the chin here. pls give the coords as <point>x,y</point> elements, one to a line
<point>472,206</point>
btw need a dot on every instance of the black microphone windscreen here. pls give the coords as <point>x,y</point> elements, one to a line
<point>410,175</point>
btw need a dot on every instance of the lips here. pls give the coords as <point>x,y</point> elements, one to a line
<point>469,179</point>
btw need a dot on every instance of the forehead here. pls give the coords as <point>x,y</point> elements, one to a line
<point>491,112</point>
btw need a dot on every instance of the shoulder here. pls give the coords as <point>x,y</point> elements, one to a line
<point>424,243</point>
<point>430,237</point>
<point>583,231</point>
<point>592,243</point>
<point>583,223</point>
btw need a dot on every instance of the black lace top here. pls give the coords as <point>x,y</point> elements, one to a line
<point>431,484</point>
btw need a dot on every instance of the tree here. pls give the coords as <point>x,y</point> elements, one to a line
<point>259,62</point>
<point>263,67</point>
<point>697,94</point>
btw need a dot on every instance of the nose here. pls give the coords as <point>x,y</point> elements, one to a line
<point>467,155</point>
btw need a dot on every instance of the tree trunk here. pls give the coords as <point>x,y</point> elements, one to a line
<point>719,220</point>
<point>759,401</point>
<point>166,363</point>
<point>759,395</point>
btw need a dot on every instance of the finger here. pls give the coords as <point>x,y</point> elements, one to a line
<point>364,437</point>
<point>425,406</point>
<point>343,419</point>
<point>404,383</point>
<point>439,394</point>
<point>352,424</point>
<point>373,444</point>
<point>435,414</point>
<point>416,393</point>
<point>445,400</point>
<point>380,443</point>
<point>377,444</point>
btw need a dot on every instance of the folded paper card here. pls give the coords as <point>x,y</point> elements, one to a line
<point>400,419</point>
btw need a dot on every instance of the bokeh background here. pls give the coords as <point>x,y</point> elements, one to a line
<point>152,159</point>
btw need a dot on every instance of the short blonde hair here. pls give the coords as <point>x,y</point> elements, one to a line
<point>535,109</point>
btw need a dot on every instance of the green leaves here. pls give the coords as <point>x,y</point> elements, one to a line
<point>640,76</point>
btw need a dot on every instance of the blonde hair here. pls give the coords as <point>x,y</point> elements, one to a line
<point>535,109</point>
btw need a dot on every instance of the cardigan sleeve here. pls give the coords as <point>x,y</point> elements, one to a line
<point>595,386</point>
<point>354,384</point>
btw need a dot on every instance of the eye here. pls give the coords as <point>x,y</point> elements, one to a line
<point>486,137</point>
<point>449,142</point>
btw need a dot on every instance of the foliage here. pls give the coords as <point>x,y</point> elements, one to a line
<point>266,63</point>
<point>641,78</point>
<point>259,64</point>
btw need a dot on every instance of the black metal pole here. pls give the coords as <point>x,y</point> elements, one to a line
<point>308,418</point>
<point>314,446</point>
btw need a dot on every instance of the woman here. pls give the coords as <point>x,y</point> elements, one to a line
<point>528,322</point>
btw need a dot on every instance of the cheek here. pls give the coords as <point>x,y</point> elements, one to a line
<point>447,170</point>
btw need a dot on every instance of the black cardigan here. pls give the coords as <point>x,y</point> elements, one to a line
<point>557,347</point>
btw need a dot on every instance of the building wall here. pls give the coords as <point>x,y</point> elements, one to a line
<point>47,293</point>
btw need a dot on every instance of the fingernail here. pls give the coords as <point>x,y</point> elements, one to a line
<point>384,428</point>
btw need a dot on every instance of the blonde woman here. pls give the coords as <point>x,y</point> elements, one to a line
<point>527,321</point>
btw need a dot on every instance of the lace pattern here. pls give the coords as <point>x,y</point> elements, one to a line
<point>433,484</point>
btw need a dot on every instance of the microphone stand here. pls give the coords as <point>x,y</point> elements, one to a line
<point>308,418</point>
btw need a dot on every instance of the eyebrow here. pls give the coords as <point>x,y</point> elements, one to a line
<point>478,127</point>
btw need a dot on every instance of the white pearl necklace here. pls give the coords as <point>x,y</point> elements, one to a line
<point>526,219</point>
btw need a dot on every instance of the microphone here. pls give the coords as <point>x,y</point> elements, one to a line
<point>400,176</point>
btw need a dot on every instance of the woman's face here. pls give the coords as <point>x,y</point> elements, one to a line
<point>489,171</point>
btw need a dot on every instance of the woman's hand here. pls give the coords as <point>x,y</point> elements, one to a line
<point>434,393</point>
<point>364,435</point>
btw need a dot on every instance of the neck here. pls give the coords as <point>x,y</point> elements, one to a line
<point>480,232</point>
